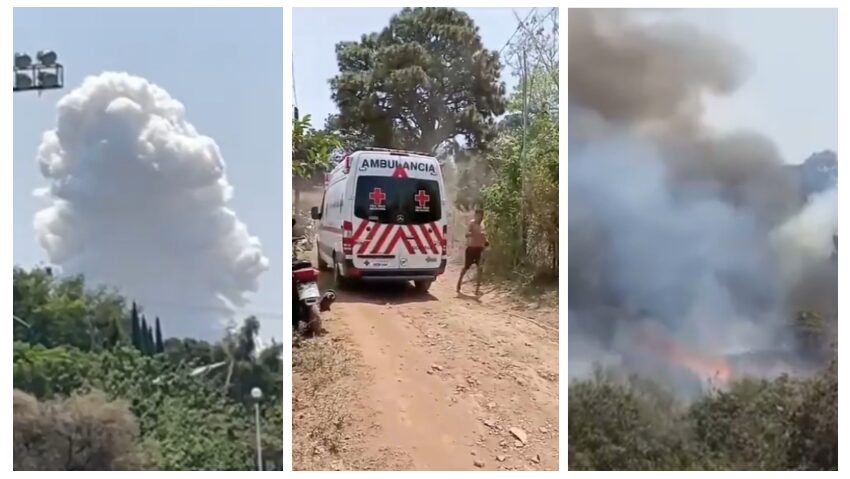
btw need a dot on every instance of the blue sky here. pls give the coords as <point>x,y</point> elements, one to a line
<point>315,32</point>
<point>224,65</point>
<point>791,94</point>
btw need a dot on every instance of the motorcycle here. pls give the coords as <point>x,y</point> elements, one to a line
<point>307,302</point>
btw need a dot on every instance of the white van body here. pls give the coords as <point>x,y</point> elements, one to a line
<point>384,217</point>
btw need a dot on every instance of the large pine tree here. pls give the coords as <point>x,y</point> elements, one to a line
<point>421,82</point>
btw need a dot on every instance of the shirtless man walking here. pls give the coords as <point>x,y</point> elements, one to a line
<point>475,244</point>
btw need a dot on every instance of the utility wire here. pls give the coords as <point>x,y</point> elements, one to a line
<point>518,27</point>
<point>294,90</point>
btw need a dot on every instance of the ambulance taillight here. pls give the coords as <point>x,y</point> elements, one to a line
<point>347,240</point>
<point>444,240</point>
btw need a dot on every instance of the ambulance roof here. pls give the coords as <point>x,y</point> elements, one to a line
<point>393,152</point>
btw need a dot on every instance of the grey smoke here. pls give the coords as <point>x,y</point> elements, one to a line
<point>699,234</point>
<point>138,199</point>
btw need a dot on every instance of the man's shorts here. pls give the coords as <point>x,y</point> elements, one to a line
<point>473,256</point>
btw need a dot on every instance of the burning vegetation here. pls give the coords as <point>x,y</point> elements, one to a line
<point>703,271</point>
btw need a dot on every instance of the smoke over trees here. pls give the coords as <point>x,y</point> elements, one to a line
<point>671,220</point>
<point>694,255</point>
<point>138,199</point>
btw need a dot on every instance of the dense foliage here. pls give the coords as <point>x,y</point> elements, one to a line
<point>756,424</point>
<point>423,81</point>
<point>82,433</point>
<point>72,344</point>
<point>311,148</point>
<point>521,197</point>
<point>521,203</point>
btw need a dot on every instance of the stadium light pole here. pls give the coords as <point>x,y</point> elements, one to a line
<point>45,74</point>
<point>257,394</point>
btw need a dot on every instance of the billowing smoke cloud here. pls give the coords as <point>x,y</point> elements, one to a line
<point>138,200</point>
<point>675,230</point>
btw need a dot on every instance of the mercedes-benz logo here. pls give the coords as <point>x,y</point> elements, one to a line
<point>399,218</point>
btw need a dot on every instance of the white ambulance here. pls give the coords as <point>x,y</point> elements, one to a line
<point>383,218</point>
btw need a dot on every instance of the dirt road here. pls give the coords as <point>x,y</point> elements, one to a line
<point>448,382</point>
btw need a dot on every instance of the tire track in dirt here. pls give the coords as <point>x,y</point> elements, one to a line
<point>446,378</point>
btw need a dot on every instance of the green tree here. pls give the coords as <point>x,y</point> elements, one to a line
<point>783,423</point>
<point>351,137</point>
<point>184,421</point>
<point>61,311</point>
<point>159,346</point>
<point>523,239</point>
<point>137,328</point>
<point>311,154</point>
<point>191,425</point>
<point>311,148</point>
<point>533,55</point>
<point>46,372</point>
<point>147,338</point>
<point>421,82</point>
<point>116,334</point>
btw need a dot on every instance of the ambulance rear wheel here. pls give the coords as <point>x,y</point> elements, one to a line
<point>422,286</point>
<point>323,266</point>
<point>341,281</point>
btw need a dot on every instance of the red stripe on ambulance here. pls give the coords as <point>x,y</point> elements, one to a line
<point>369,237</point>
<point>424,229</point>
<point>381,239</point>
<point>419,244</point>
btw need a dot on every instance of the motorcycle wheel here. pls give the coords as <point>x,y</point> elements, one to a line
<point>314,321</point>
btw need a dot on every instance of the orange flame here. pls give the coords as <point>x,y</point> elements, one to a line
<point>707,367</point>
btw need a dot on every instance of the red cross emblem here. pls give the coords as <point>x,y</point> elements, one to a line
<point>377,196</point>
<point>422,198</point>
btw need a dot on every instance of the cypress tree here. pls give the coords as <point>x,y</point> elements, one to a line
<point>149,339</point>
<point>136,334</point>
<point>159,346</point>
<point>143,339</point>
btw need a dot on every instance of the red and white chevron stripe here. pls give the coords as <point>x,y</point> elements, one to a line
<point>383,239</point>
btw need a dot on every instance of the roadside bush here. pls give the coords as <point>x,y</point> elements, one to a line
<point>625,425</point>
<point>748,427</point>
<point>756,424</point>
<point>522,203</point>
<point>85,432</point>
<point>188,421</point>
<point>814,442</point>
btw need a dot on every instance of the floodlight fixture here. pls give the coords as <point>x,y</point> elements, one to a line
<point>45,74</point>
<point>46,57</point>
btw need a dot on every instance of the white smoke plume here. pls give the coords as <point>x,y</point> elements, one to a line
<point>807,237</point>
<point>677,231</point>
<point>137,200</point>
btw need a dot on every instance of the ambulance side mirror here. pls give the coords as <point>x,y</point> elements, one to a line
<point>314,213</point>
